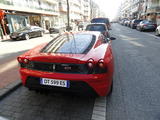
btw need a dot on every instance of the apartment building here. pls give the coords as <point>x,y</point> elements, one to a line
<point>45,13</point>
<point>141,9</point>
<point>20,13</point>
<point>153,10</point>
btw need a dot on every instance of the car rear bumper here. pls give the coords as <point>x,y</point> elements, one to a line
<point>149,28</point>
<point>17,37</point>
<point>92,83</point>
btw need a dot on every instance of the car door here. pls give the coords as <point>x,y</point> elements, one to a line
<point>35,32</point>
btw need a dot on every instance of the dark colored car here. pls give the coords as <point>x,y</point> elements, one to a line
<point>146,25</point>
<point>134,23</point>
<point>81,26</point>
<point>80,62</point>
<point>101,27</point>
<point>27,33</point>
<point>102,20</point>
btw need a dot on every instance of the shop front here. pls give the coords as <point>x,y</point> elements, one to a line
<point>35,20</point>
<point>16,22</point>
<point>49,21</point>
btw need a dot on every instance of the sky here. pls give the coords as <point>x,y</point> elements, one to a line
<point>109,7</point>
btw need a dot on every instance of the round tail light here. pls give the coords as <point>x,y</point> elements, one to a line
<point>101,63</point>
<point>90,63</point>
<point>26,61</point>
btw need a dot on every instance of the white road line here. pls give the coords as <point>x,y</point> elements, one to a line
<point>152,35</point>
<point>99,110</point>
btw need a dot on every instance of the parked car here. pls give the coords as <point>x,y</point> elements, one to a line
<point>57,29</point>
<point>157,31</point>
<point>146,25</point>
<point>81,26</point>
<point>122,21</point>
<point>129,23</point>
<point>126,22</point>
<point>102,20</point>
<point>101,27</point>
<point>27,33</point>
<point>134,23</point>
<point>72,62</point>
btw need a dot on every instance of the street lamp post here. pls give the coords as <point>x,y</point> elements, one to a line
<point>68,17</point>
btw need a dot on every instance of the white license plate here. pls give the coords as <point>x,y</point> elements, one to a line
<point>13,36</point>
<point>54,82</point>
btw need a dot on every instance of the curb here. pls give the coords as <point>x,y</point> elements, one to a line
<point>99,110</point>
<point>10,88</point>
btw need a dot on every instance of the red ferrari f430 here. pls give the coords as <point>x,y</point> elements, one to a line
<point>72,62</point>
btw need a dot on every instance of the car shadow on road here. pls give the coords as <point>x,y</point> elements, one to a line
<point>10,40</point>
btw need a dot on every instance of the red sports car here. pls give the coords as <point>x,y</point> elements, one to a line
<point>73,62</point>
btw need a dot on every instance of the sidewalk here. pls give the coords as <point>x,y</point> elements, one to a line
<point>5,38</point>
<point>9,70</point>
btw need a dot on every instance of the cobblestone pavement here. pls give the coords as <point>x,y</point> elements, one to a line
<point>28,105</point>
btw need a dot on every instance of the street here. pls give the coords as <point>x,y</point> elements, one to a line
<point>135,90</point>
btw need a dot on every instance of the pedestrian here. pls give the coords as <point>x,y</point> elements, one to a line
<point>1,32</point>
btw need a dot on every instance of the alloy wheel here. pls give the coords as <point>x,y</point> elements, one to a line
<point>27,37</point>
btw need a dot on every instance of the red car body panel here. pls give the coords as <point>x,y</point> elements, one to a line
<point>101,83</point>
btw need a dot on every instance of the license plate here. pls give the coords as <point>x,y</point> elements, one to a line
<point>13,36</point>
<point>54,82</point>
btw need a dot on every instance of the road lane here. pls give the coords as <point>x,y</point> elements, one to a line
<point>135,92</point>
<point>137,76</point>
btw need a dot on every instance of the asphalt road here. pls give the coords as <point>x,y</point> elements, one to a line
<point>137,76</point>
<point>135,92</point>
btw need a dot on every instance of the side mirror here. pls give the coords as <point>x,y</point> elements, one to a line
<point>112,38</point>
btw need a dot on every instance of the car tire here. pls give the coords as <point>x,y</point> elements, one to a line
<point>111,89</point>
<point>157,33</point>
<point>27,37</point>
<point>41,34</point>
<point>140,29</point>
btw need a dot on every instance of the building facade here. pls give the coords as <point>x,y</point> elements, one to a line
<point>141,9</point>
<point>45,13</point>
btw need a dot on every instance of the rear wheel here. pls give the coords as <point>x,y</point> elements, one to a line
<point>27,37</point>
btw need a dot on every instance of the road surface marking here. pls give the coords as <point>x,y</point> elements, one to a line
<point>99,110</point>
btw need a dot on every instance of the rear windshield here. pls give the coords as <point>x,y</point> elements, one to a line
<point>95,28</point>
<point>23,29</point>
<point>148,22</point>
<point>100,20</point>
<point>71,44</point>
